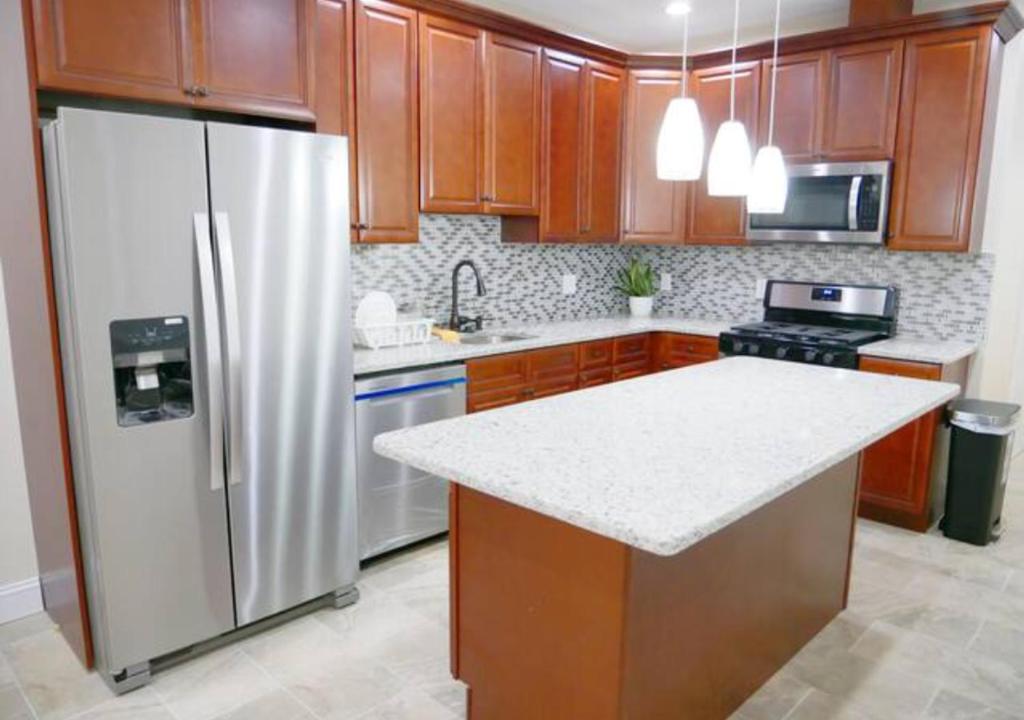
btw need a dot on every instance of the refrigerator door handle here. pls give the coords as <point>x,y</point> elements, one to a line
<point>232,339</point>
<point>211,343</point>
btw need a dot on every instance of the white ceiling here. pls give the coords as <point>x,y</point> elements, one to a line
<point>641,26</point>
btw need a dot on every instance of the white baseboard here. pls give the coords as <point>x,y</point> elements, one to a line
<point>20,599</point>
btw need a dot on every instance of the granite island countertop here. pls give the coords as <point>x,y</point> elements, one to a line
<point>661,461</point>
<point>549,334</point>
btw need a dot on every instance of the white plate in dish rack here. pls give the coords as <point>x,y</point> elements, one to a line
<point>404,331</point>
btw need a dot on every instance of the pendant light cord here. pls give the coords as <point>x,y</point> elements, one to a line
<point>686,47</point>
<point>735,41</point>
<point>775,70</point>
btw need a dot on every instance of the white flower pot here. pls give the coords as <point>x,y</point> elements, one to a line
<point>641,306</point>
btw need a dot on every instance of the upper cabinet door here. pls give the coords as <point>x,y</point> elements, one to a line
<point>602,158</point>
<point>256,56</point>
<point>387,111</point>
<point>934,174</point>
<point>799,104</point>
<point>716,220</point>
<point>654,210</point>
<point>512,118</point>
<point>451,116</point>
<point>137,49</point>
<point>562,146</point>
<point>863,101</point>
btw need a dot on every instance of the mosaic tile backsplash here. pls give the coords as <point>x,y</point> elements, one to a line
<point>942,295</point>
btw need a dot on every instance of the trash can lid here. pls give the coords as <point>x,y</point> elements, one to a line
<point>984,413</point>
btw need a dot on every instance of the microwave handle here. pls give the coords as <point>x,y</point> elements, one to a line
<point>853,202</point>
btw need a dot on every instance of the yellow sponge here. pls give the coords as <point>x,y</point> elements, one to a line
<point>446,335</point>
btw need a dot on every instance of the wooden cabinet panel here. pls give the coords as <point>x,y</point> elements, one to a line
<point>480,401</point>
<point>387,109</point>
<point>716,220</point>
<point>562,146</point>
<point>799,104</point>
<point>512,114</point>
<point>335,86</point>
<point>595,354</point>
<point>602,169</point>
<point>863,97</point>
<point>654,210</point>
<point>553,363</point>
<point>630,370</point>
<point>938,143</point>
<point>631,348</point>
<point>600,376</point>
<point>896,471</point>
<point>499,371</point>
<point>256,56</point>
<point>672,350</point>
<point>137,49</point>
<point>451,75</point>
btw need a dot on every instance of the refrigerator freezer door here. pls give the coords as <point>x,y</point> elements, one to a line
<point>124,191</point>
<point>280,202</point>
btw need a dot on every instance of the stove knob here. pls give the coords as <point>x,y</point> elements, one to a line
<point>828,359</point>
<point>737,346</point>
<point>810,356</point>
<point>753,349</point>
<point>782,352</point>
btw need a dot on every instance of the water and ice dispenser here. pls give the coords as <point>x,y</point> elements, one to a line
<point>152,370</point>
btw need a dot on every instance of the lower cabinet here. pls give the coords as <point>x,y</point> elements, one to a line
<point>515,377</point>
<point>896,474</point>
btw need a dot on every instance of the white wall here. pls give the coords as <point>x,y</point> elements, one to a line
<point>999,370</point>
<point>18,584</point>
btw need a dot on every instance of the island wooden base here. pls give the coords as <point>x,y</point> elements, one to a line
<point>551,621</point>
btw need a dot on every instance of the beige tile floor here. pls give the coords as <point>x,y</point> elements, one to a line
<point>935,631</point>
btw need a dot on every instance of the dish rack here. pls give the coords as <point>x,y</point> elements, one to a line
<point>400,332</point>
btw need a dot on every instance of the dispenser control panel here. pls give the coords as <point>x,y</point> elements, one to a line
<point>152,369</point>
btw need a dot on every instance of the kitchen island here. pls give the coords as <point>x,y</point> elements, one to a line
<point>655,548</point>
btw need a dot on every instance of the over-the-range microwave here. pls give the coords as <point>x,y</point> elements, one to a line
<point>829,203</point>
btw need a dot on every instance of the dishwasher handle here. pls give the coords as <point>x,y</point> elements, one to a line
<point>409,389</point>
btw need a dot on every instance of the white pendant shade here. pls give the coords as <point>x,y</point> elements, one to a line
<point>729,164</point>
<point>769,183</point>
<point>680,142</point>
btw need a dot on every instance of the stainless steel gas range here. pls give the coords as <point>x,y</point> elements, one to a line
<point>815,323</point>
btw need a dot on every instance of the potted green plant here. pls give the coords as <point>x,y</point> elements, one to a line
<point>636,281</point>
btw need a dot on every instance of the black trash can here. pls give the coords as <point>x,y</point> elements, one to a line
<point>980,454</point>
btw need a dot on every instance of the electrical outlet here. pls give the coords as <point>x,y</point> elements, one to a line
<point>760,287</point>
<point>568,284</point>
<point>666,282</point>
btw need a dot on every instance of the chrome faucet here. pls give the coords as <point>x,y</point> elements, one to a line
<point>458,322</point>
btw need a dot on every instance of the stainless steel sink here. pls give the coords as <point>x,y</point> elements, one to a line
<point>492,338</point>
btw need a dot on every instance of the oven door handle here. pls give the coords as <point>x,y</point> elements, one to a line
<point>853,203</point>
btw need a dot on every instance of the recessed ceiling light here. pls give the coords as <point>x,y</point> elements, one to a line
<point>677,8</point>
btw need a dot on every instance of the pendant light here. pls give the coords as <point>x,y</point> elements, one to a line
<point>769,184</point>
<point>729,163</point>
<point>680,154</point>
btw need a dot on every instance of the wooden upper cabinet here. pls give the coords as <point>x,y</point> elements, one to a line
<point>654,210</point>
<point>602,157</point>
<point>937,147</point>
<point>256,56</point>
<point>387,125</point>
<point>863,100</point>
<point>716,220</point>
<point>250,56</point>
<point>451,115</point>
<point>562,146</point>
<point>512,112</point>
<point>139,49</point>
<point>802,84</point>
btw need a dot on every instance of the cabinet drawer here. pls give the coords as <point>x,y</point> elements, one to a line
<point>629,370</point>
<point>600,376</point>
<point>498,372</point>
<point>631,349</point>
<point>903,368</point>
<point>595,354</point>
<point>554,386</point>
<point>551,363</point>
<point>488,400</point>
<point>676,351</point>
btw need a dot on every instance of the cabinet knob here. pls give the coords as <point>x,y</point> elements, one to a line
<point>197,90</point>
<point>486,198</point>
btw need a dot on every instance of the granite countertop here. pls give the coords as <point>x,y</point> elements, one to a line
<point>661,461</point>
<point>573,331</point>
<point>544,335</point>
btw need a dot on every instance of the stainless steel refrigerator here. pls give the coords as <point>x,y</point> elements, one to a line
<point>202,277</point>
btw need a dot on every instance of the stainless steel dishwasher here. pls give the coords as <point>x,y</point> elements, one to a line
<point>398,504</point>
